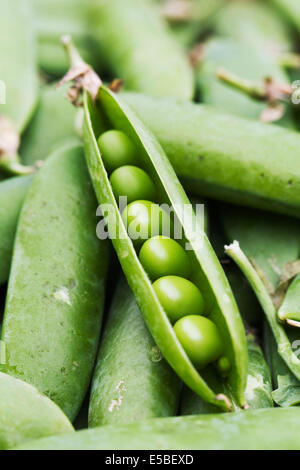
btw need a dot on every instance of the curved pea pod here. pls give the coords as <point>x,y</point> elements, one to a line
<point>132,381</point>
<point>18,80</point>
<point>258,392</point>
<point>56,287</point>
<point>12,195</point>
<point>265,429</point>
<point>226,157</point>
<point>139,48</point>
<point>52,124</point>
<point>286,386</point>
<point>17,68</point>
<point>257,23</point>
<point>207,271</point>
<point>246,60</point>
<point>26,414</point>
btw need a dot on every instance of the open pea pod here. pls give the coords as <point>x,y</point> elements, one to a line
<point>109,112</point>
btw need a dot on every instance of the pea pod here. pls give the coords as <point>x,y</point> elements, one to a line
<point>291,9</point>
<point>112,113</point>
<point>25,414</point>
<point>19,82</point>
<point>289,310</point>
<point>12,194</point>
<point>138,47</point>
<point>225,157</point>
<point>132,381</point>
<point>56,288</point>
<point>247,61</point>
<point>264,429</point>
<point>257,23</point>
<point>258,391</point>
<point>52,124</point>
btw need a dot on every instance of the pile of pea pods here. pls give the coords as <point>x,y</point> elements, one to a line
<point>149,225</point>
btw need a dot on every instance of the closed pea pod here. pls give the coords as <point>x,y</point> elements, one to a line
<point>19,80</point>
<point>264,429</point>
<point>204,263</point>
<point>56,287</point>
<point>132,381</point>
<point>26,414</point>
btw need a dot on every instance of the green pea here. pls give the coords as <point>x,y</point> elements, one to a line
<point>162,256</point>
<point>117,150</point>
<point>132,182</point>
<point>200,339</point>
<point>179,297</point>
<point>144,219</point>
<point>223,366</point>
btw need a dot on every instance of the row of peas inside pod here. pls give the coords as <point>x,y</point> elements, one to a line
<point>165,259</point>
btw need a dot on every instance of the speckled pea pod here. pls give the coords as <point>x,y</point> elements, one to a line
<point>138,47</point>
<point>26,414</point>
<point>225,157</point>
<point>132,381</point>
<point>56,287</point>
<point>19,80</point>
<point>258,391</point>
<point>12,195</point>
<point>52,124</point>
<point>265,429</point>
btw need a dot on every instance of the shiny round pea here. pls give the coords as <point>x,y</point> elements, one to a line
<point>117,150</point>
<point>162,256</point>
<point>200,339</point>
<point>144,219</point>
<point>132,182</point>
<point>179,297</point>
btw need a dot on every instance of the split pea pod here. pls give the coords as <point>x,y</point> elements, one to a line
<point>138,47</point>
<point>132,381</point>
<point>195,274</point>
<point>19,80</point>
<point>225,157</point>
<point>26,414</point>
<point>12,195</point>
<point>56,287</point>
<point>265,429</point>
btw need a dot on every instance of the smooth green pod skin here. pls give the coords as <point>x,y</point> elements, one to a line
<point>266,429</point>
<point>56,288</point>
<point>290,307</point>
<point>138,47</point>
<point>53,123</point>
<point>286,387</point>
<point>257,23</point>
<point>208,273</point>
<point>12,195</point>
<point>291,10</point>
<point>17,68</point>
<point>247,61</point>
<point>258,391</point>
<point>26,414</point>
<point>226,157</point>
<point>132,381</point>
